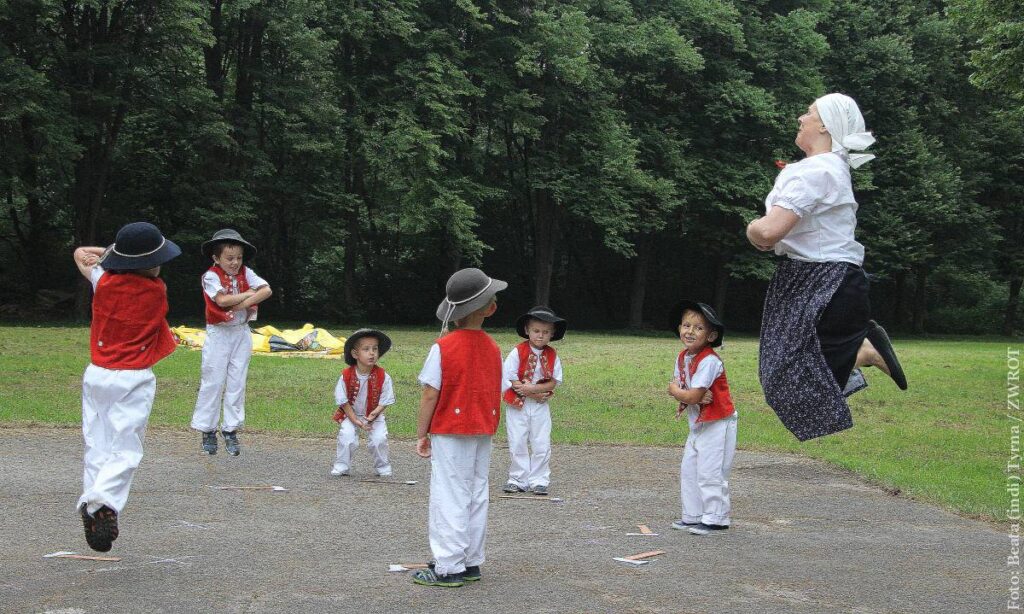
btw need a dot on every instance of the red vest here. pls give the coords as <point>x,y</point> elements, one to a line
<point>215,314</point>
<point>528,364</point>
<point>721,402</point>
<point>129,322</point>
<point>375,383</point>
<point>470,399</point>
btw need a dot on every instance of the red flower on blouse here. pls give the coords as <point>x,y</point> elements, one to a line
<point>780,164</point>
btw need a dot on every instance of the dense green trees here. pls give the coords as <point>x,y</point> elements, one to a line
<point>601,155</point>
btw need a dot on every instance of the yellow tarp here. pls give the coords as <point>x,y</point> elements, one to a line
<point>269,341</point>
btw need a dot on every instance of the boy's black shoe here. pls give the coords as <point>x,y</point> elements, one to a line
<point>100,528</point>
<point>540,489</point>
<point>427,577</point>
<point>472,573</point>
<point>512,487</point>
<point>210,442</point>
<point>230,442</point>
<point>704,529</point>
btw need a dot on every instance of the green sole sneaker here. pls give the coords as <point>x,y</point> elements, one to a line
<point>472,574</point>
<point>427,577</point>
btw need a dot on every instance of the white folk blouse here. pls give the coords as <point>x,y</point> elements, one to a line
<point>819,190</point>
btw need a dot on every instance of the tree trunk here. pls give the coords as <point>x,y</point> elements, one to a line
<point>897,305</point>
<point>544,232</point>
<point>721,284</point>
<point>213,55</point>
<point>1010,318</point>
<point>638,288</point>
<point>920,298</point>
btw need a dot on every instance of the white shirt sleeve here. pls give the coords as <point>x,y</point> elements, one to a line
<point>675,371</point>
<point>340,393</point>
<point>707,372</point>
<point>211,285</point>
<point>387,394</point>
<point>510,369</point>
<point>803,192</point>
<point>556,372</point>
<point>94,276</point>
<point>255,281</point>
<point>430,374</point>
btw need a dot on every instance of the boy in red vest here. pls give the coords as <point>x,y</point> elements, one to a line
<point>232,292</point>
<point>534,369</point>
<point>460,408</point>
<point>700,386</point>
<point>129,334</point>
<point>363,392</point>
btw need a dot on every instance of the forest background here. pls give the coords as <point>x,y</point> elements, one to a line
<point>603,156</point>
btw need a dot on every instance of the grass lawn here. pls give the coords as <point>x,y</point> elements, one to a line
<point>947,440</point>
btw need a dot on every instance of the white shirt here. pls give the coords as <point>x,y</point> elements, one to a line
<point>212,287</point>
<point>387,393</point>
<point>430,374</point>
<point>819,190</point>
<point>94,276</point>
<point>511,367</point>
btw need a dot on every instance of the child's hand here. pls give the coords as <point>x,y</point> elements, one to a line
<point>680,411</point>
<point>90,260</point>
<point>365,425</point>
<point>706,399</point>
<point>423,447</point>
<point>520,387</point>
<point>673,389</point>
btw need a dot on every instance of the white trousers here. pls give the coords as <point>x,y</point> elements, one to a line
<point>529,425</point>
<point>704,472</point>
<point>376,441</point>
<point>226,354</point>
<point>457,524</point>
<point>115,409</point>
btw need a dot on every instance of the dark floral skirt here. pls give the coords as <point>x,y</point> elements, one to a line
<point>815,318</point>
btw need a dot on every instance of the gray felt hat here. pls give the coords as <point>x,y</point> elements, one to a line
<point>229,235</point>
<point>466,291</point>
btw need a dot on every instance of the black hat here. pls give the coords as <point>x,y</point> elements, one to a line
<point>138,246</point>
<point>229,235</point>
<point>677,315</point>
<point>544,314</point>
<point>383,343</point>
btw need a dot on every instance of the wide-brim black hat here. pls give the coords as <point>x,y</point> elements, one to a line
<point>466,291</point>
<point>677,315</point>
<point>383,343</point>
<point>228,235</point>
<point>138,246</point>
<point>544,314</point>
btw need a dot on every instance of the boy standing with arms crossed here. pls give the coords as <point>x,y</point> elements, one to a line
<point>232,292</point>
<point>700,386</point>
<point>128,335</point>
<point>459,412</point>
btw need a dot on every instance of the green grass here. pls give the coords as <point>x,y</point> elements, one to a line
<point>945,441</point>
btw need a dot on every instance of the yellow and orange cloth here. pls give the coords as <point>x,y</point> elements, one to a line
<point>307,341</point>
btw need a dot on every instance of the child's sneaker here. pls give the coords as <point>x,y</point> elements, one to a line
<point>540,489</point>
<point>512,487</point>
<point>427,577</point>
<point>339,471</point>
<point>230,442</point>
<point>681,525</point>
<point>472,573</point>
<point>704,529</point>
<point>100,528</point>
<point>210,442</point>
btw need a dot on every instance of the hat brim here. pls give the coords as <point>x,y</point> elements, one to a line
<point>383,343</point>
<point>676,316</point>
<point>248,249</point>
<point>560,324</point>
<point>112,261</point>
<point>469,307</point>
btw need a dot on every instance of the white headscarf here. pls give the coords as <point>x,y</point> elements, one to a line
<point>845,124</point>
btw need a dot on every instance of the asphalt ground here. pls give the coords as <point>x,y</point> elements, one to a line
<point>806,536</point>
